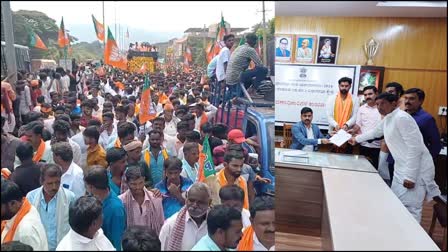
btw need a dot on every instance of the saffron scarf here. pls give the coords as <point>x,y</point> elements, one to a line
<point>175,239</point>
<point>241,183</point>
<point>343,110</point>
<point>40,151</point>
<point>247,241</point>
<point>147,156</point>
<point>154,216</point>
<point>24,210</point>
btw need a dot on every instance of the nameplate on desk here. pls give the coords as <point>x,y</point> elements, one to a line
<point>296,159</point>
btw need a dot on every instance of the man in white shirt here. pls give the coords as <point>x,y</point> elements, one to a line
<point>367,119</point>
<point>414,171</point>
<point>20,219</point>
<point>85,219</point>
<point>224,57</point>
<point>94,90</point>
<point>72,175</point>
<point>108,130</point>
<point>260,236</point>
<point>191,218</point>
<point>61,130</point>
<point>233,196</point>
<point>170,120</point>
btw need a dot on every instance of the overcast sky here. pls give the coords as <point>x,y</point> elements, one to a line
<point>152,16</point>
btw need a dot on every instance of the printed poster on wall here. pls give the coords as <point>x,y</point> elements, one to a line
<point>327,47</point>
<point>300,85</point>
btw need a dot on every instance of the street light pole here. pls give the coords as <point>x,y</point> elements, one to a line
<point>11,63</point>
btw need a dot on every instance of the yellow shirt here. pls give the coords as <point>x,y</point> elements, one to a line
<point>96,156</point>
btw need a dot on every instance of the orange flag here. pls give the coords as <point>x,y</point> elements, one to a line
<point>62,37</point>
<point>147,111</point>
<point>99,29</point>
<point>36,42</point>
<point>112,53</point>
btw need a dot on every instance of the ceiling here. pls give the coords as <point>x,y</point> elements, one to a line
<point>355,9</point>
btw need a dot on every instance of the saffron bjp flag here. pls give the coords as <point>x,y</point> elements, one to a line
<point>219,43</point>
<point>36,42</point>
<point>112,54</point>
<point>147,110</point>
<point>63,40</point>
<point>186,65</point>
<point>99,29</point>
<point>188,54</point>
<point>209,52</point>
<point>206,165</point>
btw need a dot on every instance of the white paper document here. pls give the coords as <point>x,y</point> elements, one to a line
<point>340,137</point>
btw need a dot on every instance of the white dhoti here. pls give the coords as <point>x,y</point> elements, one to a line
<point>412,199</point>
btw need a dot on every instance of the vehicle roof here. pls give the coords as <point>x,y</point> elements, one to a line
<point>266,112</point>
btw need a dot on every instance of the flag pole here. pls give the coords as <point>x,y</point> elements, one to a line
<point>104,39</point>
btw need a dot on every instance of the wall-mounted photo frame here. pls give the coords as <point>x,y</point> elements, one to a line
<point>327,49</point>
<point>283,47</point>
<point>371,76</point>
<point>305,48</point>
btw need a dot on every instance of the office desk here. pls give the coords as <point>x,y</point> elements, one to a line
<point>342,199</point>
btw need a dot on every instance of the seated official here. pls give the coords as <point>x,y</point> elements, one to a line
<point>306,135</point>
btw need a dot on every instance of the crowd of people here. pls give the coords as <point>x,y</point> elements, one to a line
<point>80,171</point>
<point>399,138</point>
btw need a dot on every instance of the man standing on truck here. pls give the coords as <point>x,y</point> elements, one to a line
<point>237,68</point>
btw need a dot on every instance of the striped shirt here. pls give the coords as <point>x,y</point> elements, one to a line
<point>239,61</point>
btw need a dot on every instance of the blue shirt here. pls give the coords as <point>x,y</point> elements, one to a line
<point>429,130</point>
<point>212,67</point>
<point>112,186</point>
<point>114,219</point>
<point>77,110</point>
<point>155,165</point>
<point>48,214</point>
<point>170,204</point>
<point>206,244</point>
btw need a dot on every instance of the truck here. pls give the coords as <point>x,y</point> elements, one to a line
<point>136,59</point>
<point>256,118</point>
<point>22,58</point>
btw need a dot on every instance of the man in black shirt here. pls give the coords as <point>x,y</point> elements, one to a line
<point>26,175</point>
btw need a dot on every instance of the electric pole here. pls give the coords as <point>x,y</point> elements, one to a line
<point>11,63</point>
<point>105,34</point>
<point>264,36</point>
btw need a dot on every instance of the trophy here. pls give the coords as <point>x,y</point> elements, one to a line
<point>371,48</point>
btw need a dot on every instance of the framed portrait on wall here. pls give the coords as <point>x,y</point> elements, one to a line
<point>283,47</point>
<point>371,76</point>
<point>305,48</point>
<point>327,49</point>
